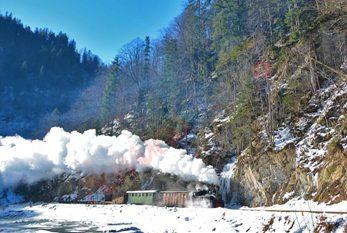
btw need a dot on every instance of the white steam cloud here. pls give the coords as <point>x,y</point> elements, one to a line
<point>29,161</point>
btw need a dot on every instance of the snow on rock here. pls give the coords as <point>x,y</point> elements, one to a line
<point>315,136</point>
<point>309,155</point>
<point>129,116</point>
<point>282,137</point>
<point>288,195</point>
<point>209,135</point>
<point>191,136</point>
<point>112,128</point>
<point>98,196</point>
<point>302,123</point>
<point>211,142</point>
<point>69,197</point>
<point>344,143</point>
<point>222,121</point>
<point>29,161</point>
<point>221,118</point>
<point>313,146</point>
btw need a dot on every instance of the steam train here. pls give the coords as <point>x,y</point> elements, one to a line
<point>173,198</point>
<point>104,195</point>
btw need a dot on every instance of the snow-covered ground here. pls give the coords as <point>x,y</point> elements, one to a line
<point>130,218</point>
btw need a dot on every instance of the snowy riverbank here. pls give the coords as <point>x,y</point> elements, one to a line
<point>130,218</point>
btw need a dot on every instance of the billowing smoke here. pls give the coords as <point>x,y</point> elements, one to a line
<point>28,161</point>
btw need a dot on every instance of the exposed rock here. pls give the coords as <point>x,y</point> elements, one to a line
<point>314,166</point>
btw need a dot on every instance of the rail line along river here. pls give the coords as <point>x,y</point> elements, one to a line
<point>153,219</point>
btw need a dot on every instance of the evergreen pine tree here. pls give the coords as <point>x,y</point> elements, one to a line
<point>109,94</point>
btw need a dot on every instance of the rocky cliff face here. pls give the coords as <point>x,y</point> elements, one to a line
<point>299,148</point>
<point>305,157</point>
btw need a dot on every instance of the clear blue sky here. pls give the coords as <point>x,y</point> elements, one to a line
<point>102,26</point>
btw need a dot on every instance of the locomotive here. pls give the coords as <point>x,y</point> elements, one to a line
<point>173,198</point>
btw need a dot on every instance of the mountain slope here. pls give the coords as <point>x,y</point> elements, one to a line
<point>41,76</point>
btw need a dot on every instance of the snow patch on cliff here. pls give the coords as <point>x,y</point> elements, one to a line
<point>282,137</point>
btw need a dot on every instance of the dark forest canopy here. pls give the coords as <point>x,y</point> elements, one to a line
<point>41,75</point>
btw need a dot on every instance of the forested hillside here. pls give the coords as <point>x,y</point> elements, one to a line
<point>205,63</point>
<point>218,57</point>
<point>41,75</point>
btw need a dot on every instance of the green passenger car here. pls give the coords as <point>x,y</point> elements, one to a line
<point>147,197</point>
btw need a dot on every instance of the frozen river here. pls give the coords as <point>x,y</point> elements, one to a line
<point>26,220</point>
<point>28,224</point>
<point>131,218</point>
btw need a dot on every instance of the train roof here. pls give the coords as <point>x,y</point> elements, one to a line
<point>154,191</point>
<point>174,191</point>
<point>143,191</point>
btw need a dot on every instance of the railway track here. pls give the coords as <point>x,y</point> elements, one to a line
<point>297,211</point>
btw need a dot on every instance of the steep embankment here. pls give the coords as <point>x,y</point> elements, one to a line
<point>308,157</point>
<point>299,148</point>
